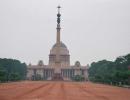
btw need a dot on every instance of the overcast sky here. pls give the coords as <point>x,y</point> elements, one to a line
<point>92,29</point>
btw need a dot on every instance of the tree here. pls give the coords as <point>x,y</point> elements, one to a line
<point>111,71</point>
<point>3,75</point>
<point>12,70</point>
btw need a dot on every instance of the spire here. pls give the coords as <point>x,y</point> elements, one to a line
<point>58,15</point>
<point>58,25</point>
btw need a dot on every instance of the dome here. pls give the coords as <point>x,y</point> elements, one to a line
<point>63,49</point>
<point>61,45</point>
<point>40,63</point>
<point>77,64</point>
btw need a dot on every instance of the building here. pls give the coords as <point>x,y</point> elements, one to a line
<point>59,67</point>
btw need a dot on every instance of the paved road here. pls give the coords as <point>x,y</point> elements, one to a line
<point>61,91</point>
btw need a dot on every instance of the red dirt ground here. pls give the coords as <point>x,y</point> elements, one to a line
<point>61,91</point>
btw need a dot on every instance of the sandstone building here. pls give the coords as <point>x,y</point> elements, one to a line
<point>59,67</point>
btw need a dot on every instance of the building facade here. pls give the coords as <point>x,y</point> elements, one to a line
<point>59,67</point>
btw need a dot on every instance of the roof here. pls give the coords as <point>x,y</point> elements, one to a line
<point>61,45</point>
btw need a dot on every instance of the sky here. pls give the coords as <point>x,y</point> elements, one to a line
<point>91,29</point>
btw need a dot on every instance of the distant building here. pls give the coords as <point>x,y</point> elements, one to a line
<point>59,67</point>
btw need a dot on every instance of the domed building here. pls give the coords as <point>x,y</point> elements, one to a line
<point>64,55</point>
<point>59,67</point>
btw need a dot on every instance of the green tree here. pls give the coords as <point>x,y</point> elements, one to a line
<point>111,71</point>
<point>12,70</point>
<point>3,75</point>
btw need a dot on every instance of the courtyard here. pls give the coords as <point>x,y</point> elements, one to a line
<point>48,90</point>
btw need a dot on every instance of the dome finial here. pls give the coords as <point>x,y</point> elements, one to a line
<point>58,25</point>
<point>59,8</point>
<point>58,15</point>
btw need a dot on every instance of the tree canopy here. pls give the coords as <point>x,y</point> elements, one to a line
<point>111,71</point>
<point>12,70</point>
